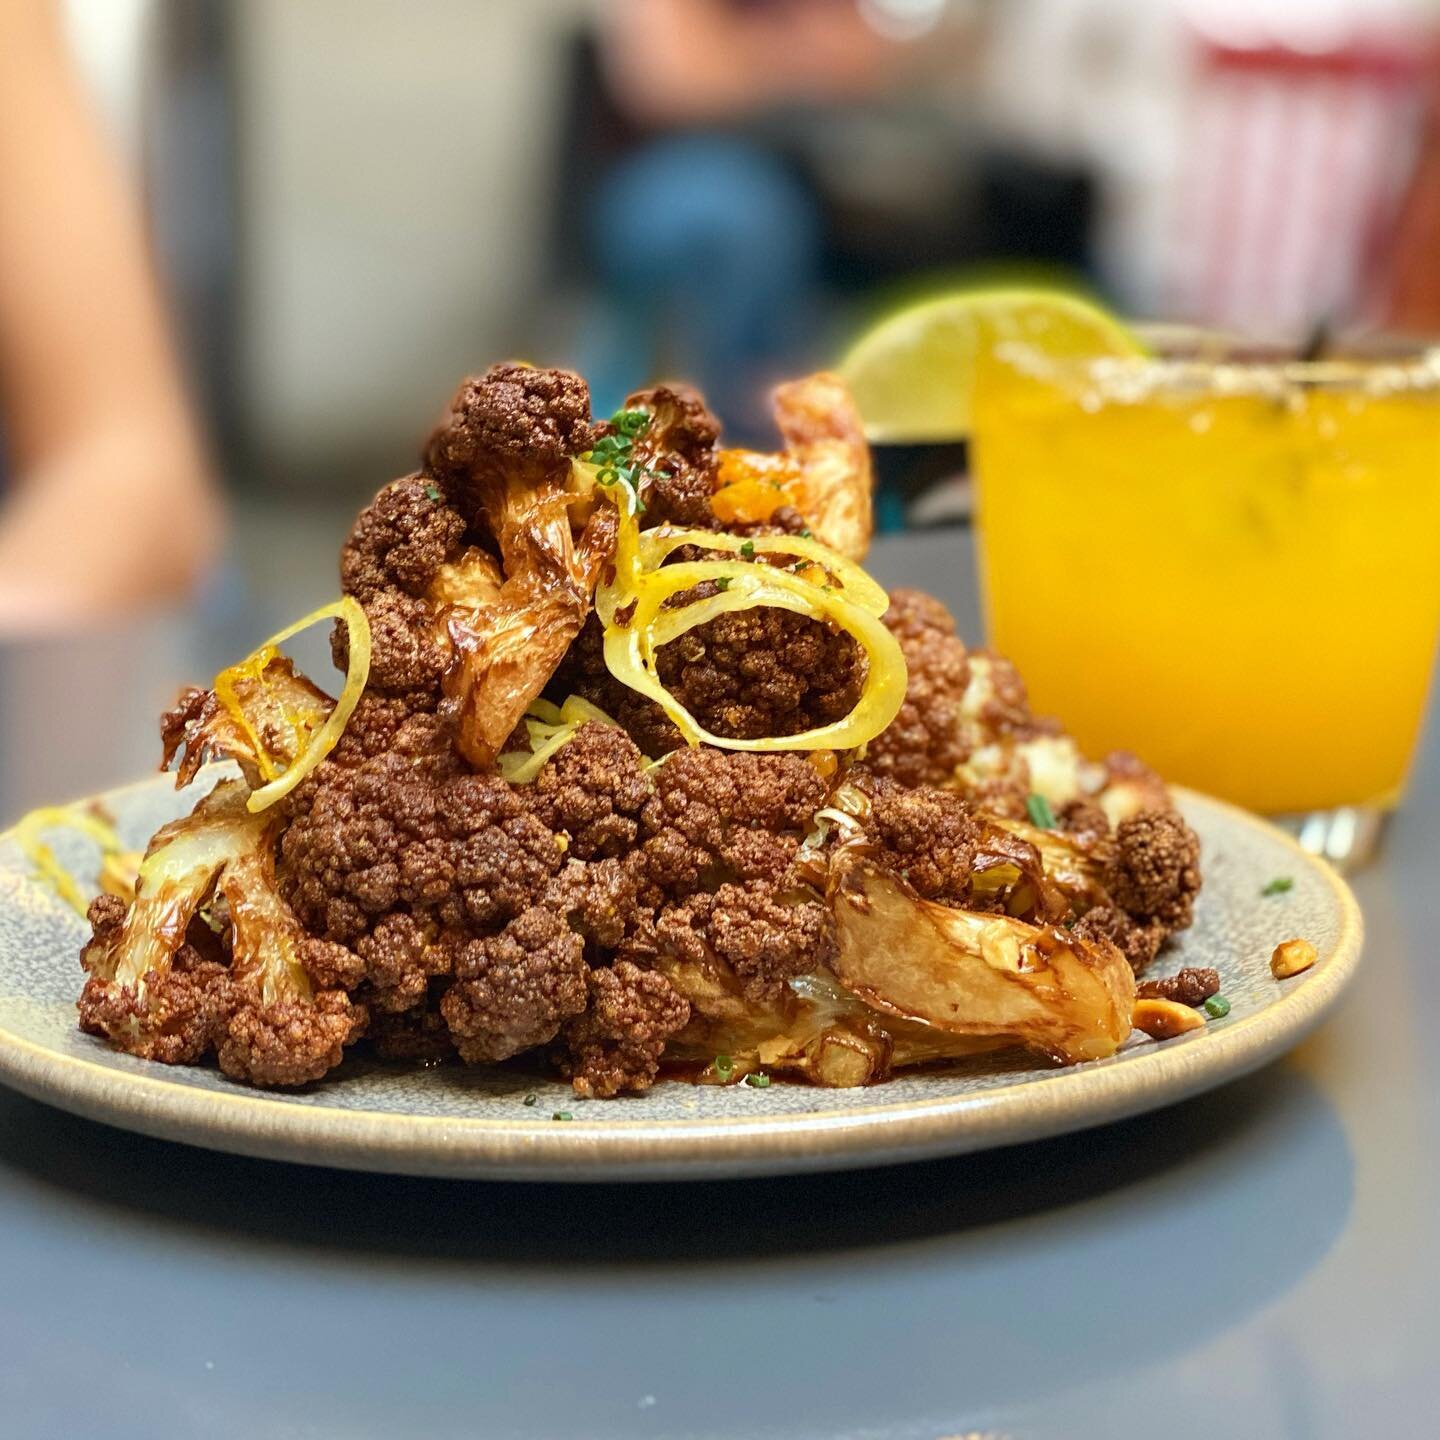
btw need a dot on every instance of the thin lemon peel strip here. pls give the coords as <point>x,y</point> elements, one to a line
<point>44,860</point>
<point>324,740</point>
<point>854,604</point>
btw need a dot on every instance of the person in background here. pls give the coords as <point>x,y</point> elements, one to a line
<point>106,502</point>
<point>704,239</point>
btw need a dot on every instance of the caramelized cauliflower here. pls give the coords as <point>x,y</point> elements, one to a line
<point>438,887</point>
<point>616,1045</point>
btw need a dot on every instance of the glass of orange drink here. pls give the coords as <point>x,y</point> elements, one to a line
<point>1229,565</point>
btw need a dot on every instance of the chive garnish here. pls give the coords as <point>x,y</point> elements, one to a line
<point>1039,811</point>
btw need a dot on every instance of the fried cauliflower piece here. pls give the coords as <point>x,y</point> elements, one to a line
<point>677,456</point>
<point>504,452</point>
<point>813,1030</point>
<point>273,711</point>
<point>513,991</point>
<point>826,439</point>
<point>617,1043</point>
<point>153,993</point>
<point>986,976</point>
<point>638,904</point>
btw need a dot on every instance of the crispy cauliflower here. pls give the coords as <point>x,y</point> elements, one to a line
<point>630,904</point>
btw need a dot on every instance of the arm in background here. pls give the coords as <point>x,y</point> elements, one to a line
<point>110,504</point>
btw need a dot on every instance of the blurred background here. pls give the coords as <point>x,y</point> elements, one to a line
<point>351,203</point>
<point>354,202</point>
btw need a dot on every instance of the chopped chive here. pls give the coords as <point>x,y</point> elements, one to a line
<point>433,492</point>
<point>757,1081</point>
<point>724,1066</point>
<point>531,1099</point>
<point>723,583</point>
<point>806,533</point>
<point>748,549</point>
<point>1217,1006</point>
<point>562,1115</point>
<point>1279,885</point>
<point>1039,811</point>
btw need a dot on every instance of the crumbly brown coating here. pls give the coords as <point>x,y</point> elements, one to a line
<point>610,902</point>
<point>616,1044</point>
<point>395,547</point>
<point>400,539</point>
<point>678,449</point>
<point>288,1042</point>
<point>178,1016</point>
<point>490,900</point>
<point>766,935</point>
<point>176,1019</point>
<point>406,652</point>
<point>526,415</point>
<point>460,849</point>
<point>331,966</point>
<point>1156,870</point>
<point>743,675</point>
<point>928,836</point>
<point>763,672</point>
<point>1139,941</point>
<point>515,989</point>
<point>710,804</point>
<point>583,672</point>
<point>1193,985</point>
<point>398,959</point>
<point>924,743</point>
<point>593,790</point>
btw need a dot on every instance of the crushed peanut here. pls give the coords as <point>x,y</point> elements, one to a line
<point>1291,957</point>
<point>1164,1019</point>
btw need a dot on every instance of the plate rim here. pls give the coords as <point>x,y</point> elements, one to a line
<point>398,1142</point>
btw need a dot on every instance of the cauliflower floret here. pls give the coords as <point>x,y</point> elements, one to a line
<point>514,990</point>
<point>617,1043</point>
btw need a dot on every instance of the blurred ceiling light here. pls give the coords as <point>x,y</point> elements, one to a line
<point>902,19</point>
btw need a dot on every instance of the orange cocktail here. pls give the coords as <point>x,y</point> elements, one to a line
<point>1231,568</point>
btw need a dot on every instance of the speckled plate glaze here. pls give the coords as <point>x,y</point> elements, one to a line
<point>474,1122</point>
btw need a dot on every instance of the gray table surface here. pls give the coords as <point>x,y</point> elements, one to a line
<point>1260,1262</point>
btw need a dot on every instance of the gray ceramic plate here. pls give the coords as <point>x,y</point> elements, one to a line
<point>473,1122</point>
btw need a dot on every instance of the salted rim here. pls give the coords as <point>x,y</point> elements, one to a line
<point>396,1142</point>
<point>1128,379</point>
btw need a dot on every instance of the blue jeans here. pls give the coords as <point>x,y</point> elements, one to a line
<point>707,259</point>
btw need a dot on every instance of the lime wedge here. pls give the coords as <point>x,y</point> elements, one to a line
<point>913,373</point>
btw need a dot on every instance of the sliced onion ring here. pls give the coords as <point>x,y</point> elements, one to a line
<point>655,547</point>
<point>357,672</point>
<point>630,650</point>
